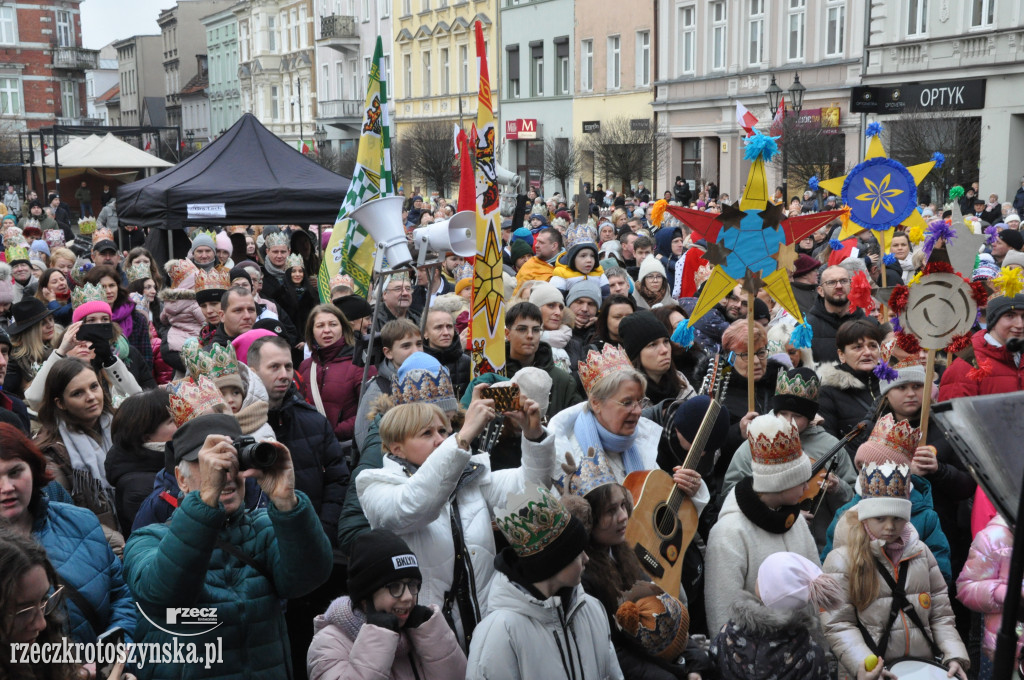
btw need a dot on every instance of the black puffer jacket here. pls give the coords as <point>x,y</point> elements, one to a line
<point>846,398</point>
<point>131,473</point>
<point>455,359</point>
<point>320,469</point>
<point>825,324</point>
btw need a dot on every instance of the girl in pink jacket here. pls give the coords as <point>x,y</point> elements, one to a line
<point>378,631</point>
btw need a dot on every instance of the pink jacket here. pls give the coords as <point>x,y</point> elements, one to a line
<point>981,585</point>
<point>380,654</point>
<point>181,312</point>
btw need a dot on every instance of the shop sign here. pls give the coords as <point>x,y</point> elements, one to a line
<point>521,128</point>
<point>591,126</point>
<point>951,95</point>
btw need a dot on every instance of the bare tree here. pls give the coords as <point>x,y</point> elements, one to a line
<point>810,151</point>
<point>432,155</point>
<point>626,149</point>
<point>916,135</point>
<point>400,164</point>
<point>10,162</point>
<point>327,158</point>
<point>563,160</point>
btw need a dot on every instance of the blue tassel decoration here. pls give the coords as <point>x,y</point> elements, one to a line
<point>873,129</point>
<point>883,371</point>
<point>760,146</point>
<point>890,259</point>
<point>835,244</point>
<point>939,159</point>
<point>683,334</point>
<point>896,325</point>
<point>802,336</point>
<point>813,183</point>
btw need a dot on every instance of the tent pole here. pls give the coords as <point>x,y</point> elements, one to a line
<point>170,244</point>
<point>56,163</point>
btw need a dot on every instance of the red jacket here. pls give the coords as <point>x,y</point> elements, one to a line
<point>339,382</point>
<point>1003,375</point>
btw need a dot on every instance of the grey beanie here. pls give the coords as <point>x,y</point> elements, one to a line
<point>907,375</point>
<point>1000,305</point>
<point>587,288</point>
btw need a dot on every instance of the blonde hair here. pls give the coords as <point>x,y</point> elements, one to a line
<point>62,254</point>
<point>405,420</point>
<point>863,578</point>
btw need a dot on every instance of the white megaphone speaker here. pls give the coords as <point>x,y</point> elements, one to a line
<point>382,217</point>
<point>455,234</point>
<point>505,176</point>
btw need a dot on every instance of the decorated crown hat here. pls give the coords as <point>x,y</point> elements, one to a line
<point>422,378</point>
<point>103,234</point>
<point>196,233</point>
<point>277,238</point>
<point>581,478</point>
<point>543,535</point>
<point>190,399</point>
<point>603,363</point>
<point>884,490</point>
<point>182,273</point>
<point>796,389</point>
<point>294,260</point>
<point>54,238</point>
<point>86,226</point>
<point>80,269</point>
<point>890,440</point>
<point>211,284</point>
<point>87,292</point>
<point>656,620</point>
<point>16,232</point>
<point>17,253</point>
<point>777,458</point>
<point>218,363</point>
<point>139,270</point>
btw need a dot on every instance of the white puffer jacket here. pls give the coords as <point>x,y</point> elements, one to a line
<point>416,507</point>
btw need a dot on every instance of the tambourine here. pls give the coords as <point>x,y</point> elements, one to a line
<point>918,669</point>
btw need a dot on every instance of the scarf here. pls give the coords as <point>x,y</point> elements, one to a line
<point>84,451</point>
<point>894,551</point>
<point>341,614</point>
<point>252,417</point>
<point>592,435</point>
<point>205,267</point>
<point>278,274</point>
<point>777,521</point>
<point>123,316</point>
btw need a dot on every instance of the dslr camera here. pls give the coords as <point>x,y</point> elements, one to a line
<point>253,454</point>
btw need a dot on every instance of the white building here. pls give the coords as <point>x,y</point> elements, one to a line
<point>99,81</point>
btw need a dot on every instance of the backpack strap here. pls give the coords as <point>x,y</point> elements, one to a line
<point>899,599</point>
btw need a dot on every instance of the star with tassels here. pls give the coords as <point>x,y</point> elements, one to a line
<point>749,242</point>
<point>961,244</point>
<point>880,192</point>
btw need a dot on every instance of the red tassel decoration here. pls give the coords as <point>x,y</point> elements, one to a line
<point>981,371</point>
<point>938,267</point>
<point>908,343</point>
<point>898,299</point>
<point>959,343</point>
<point>979,293</point>
<point>860,293</point>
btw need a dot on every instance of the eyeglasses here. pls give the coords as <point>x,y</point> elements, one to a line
<point>837,282</point>
<point>23,617</point>
<point>398,588</point>
<point>527,330</point>
<point>761,354</point>
<point>631,404</point>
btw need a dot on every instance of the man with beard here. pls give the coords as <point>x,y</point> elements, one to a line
<point>442,342</point>
<point>547,246</point>
<point>708,330</point>
<point>829,312</point>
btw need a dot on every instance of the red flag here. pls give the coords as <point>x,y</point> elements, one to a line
<point>776,128</point>
<point>183,145</point>
<point>467,175</point>
<point>745,119</point>
<point>148,145</point>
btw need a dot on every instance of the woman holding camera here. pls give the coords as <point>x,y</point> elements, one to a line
<point>132,323</point>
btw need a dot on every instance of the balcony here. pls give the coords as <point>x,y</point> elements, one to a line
<point>75,58</point>
<point>340,111</point>
<point>79,121</point>
<point>339,32</point>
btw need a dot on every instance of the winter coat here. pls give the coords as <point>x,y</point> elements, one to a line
<point>708,329</point>
<point>760,643</point>
<point>371,392</point>
<point>926,592</point>
<point>108,216</point>
<point>338,380</point>
<point>535,269</point>
<point>824,324</point>
<point>353,522</point>
<point>416,504</point>
<point>982,584</point>
<point>320,469</point>
<point>182,316</point>
<point>846,398</point>
<point>381,654</point>
<point>1018,201</point>
<point>77,548</point>
<point>180,563</point>
<point>1002,374</point>
<point>736,548</point>
<point>663,249</point>
<point>922,516</point>
<point>735,402</point>
<point>17,407</point>
<point>456,360</point>
<point>816,442</point>
<point>165,496</point>
<point>252,417</point>
<point>124,380</point>
<point>525,638</point>
<point>565,276</point>
<point>131,473</point>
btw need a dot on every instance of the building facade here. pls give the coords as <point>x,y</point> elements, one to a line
<point>184,38</point>
<point>223,88</point>
<point>195,108</point>
<point>276,75</point>
<point>537,73</point>
<point>42,64</point>
<point>99,81</point>
<point>141,74</point>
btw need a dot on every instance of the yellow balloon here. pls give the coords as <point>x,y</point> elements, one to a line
<point>870,661</point>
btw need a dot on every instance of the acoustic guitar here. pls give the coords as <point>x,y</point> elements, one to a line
<point>664,519</point>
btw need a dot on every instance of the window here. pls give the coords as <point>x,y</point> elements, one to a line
<point>366,10</point>
<point>719,31</point>
<point>426,73</point>
<point>917,18</point>
<point>407,70</point>
<point>537,68</point>
<point>587,65</point>
<point>385,8</point>
<point>406,7</point>
<point>643,59</point>
<point>271,34</point>
<point>69,98</point>
<point>835,33</point>
<point>755,44</point>
<point>353,68</point>
<point>339,70</point>
<point>797,19</point>
<point>614,62</point>
<point>274,102</point>
<point>512,68</point>
<point>10,97</point>
<point>983,13</point>
<point>385,71</point>
<point>65,31</point>
<point>425,6</point>
<point>562,65</point>
<point>285,33</point>
<point>464,67</point>
<point>8,25</point>
<point>687,21</point>
<point>446,78</point>
<point>367,61</point>
<point>303,32</point>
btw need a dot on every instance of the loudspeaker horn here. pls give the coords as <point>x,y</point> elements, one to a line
<point>455,234</point>
<point>382,218</point>
<point>505,176</point>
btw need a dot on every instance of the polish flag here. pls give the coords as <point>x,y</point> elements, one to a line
<point>149,145</point>
<point>745,119</point>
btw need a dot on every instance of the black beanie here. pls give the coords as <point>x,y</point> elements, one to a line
<point>796,390</point>
<point>638,330</point>
<point>189,438</point>
<point>379,557</point>
<point>690,415</point>
<point>555,556</point>
<point>353,307</point>
<point>1012,238</point>
<point>239,273</point>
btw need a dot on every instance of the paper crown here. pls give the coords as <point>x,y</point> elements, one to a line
<point>773,441</point>
<point>103,234</point>
<point>214,279</point>
<point>179,271</point>
<point>532,520</point>
<point>600,364</point>
<point>294,260</point>
<point>581,478</point>
<point>798,386</point>
<point>578,233</point>
<point>463,271</point>
<point>202,232</point>
<point>884,481</point>
<point>138,271</point>
<point>86,225</point>
<point>15,253</point>
<point>419,385</point>
<point>342,280</point>
<point>79,270</point>
<point>214,363</point>
<point>278,238</point>
<point>900,437</point>
<point>87,292</point>
<point>15,232</point>
<point>189,399</point>
<point>54,238</point>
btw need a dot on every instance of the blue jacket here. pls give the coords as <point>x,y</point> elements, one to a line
<point>157,509</point>
<point>78,550</point>
<point>922,516</point>
<point>179,564</point>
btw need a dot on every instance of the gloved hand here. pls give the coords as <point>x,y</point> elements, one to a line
<point>104,352</point>
<point>419,615</point>
<point>382,620</point>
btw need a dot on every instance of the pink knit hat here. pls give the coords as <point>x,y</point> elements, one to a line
<point>224,242</point>
<point>87,308</point>
<point>244,341</point>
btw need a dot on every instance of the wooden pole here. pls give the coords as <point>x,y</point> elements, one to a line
<point>751,358</point>
<point>926,399</point>
<point>882,316</point>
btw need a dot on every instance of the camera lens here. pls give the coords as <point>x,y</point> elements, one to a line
<point>258,455</point>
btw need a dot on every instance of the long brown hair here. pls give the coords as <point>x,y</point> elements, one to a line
<point>863,577</point>
<point>58,379</point>
<point>346,327</point>
<point>613,569</point>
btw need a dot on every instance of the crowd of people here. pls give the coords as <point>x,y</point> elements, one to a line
<point>205,433</point>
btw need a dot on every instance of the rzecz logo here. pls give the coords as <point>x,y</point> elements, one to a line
<point>203,618</point>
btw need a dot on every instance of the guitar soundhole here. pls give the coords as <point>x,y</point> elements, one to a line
<point>664,521</point>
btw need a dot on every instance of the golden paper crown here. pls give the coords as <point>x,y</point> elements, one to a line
<point>342,280</point>
<point>214,363</point>
<point>80,269</point>
<point>86,225</point>
<point>899,436</point>
<point>15,253</point>
<point>294,260</point>
<point>103,234</point>
<point>532,520</point>
<point>88,292</point>
<point>203,232</point>
<point>190,399</point>
<point>179,270</point>
<point>580,479</point>
<point>773,441</point>
<point>137,271</point>
<point>214,279</point>
<point>884,480</point>
<point>278,238</point>
<point>600,364</point>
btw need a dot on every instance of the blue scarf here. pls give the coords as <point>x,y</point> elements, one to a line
<point>591,434</point>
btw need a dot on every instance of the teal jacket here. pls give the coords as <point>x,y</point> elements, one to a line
<point>179,564</point>
<point>922,516</point>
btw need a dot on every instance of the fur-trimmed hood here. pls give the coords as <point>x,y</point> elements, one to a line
<point>172,294</point>
<point>833,376</point>
<point>753,617</point>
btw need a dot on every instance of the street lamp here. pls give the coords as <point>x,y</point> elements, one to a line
<point>774,94</point>
<point>320,137</point>
<point>796,97</point>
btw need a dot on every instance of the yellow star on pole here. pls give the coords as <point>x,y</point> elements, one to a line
<point>489,284</point>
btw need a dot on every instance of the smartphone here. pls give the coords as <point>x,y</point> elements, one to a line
<point>96,333</point>
<point>115,637</point>
<point>506,397</point>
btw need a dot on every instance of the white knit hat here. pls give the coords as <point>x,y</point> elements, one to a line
<point>777,458</point>
<point>884,491</point>
<point>535,384</point>
<point>544,293</point>
<point>651,265</point>
<point>787,581</point>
